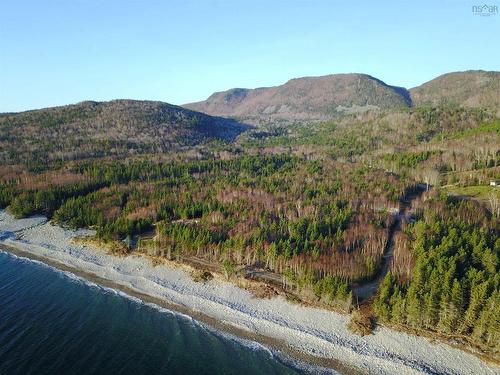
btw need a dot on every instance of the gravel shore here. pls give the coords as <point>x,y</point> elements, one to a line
<point>314,335</point>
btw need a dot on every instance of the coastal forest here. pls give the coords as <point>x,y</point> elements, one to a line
<point>403,197</point>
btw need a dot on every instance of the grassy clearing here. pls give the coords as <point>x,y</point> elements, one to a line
<point>481,192</point>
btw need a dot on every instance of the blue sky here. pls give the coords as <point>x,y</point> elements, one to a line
<point>61,52</point>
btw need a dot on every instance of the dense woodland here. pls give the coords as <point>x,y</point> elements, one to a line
<point>315,204</point>
<point>445,274</point>
<point>322,225</point>
<point>119,128</point>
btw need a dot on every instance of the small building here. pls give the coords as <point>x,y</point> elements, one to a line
<point>494,182</point>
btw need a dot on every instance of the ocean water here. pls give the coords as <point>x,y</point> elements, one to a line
<point>52,322</point>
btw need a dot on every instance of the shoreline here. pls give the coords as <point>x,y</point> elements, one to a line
<point>310,335</point>
<point>281,347</point>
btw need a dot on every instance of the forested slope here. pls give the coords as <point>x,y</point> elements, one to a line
<point>473,89</point>
<point>311,204</point>
<point>306,99</point>
<point>96,129</point>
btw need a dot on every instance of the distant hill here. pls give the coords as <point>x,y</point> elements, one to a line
<point>127,127</point>
<point>474,88</point>
<point>303,99</point>
<point>94,129</point>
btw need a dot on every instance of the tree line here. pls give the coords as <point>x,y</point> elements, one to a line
<point>453,284</point>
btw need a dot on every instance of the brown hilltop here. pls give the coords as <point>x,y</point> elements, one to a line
<point>473,88</point>
<point>306,99</point>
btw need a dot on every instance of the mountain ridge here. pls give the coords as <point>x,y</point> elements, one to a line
<point>306,98</point>
<point>324,97</point>
<point>470,88</point>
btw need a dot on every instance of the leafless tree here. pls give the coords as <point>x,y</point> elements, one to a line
<point>494,204</point>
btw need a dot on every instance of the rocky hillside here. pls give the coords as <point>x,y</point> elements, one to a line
<point>474,88</point>
<point>306,99</point>
<point>94,129</point>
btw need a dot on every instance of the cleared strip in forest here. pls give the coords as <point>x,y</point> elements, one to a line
<point>364,291</point>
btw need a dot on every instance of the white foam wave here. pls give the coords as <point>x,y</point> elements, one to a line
<point>252,345</point>
<point>314,331</point>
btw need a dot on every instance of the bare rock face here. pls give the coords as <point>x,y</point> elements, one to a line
<point>306,99</point>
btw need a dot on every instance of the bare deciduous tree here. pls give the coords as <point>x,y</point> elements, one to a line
<point>494,204</point>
